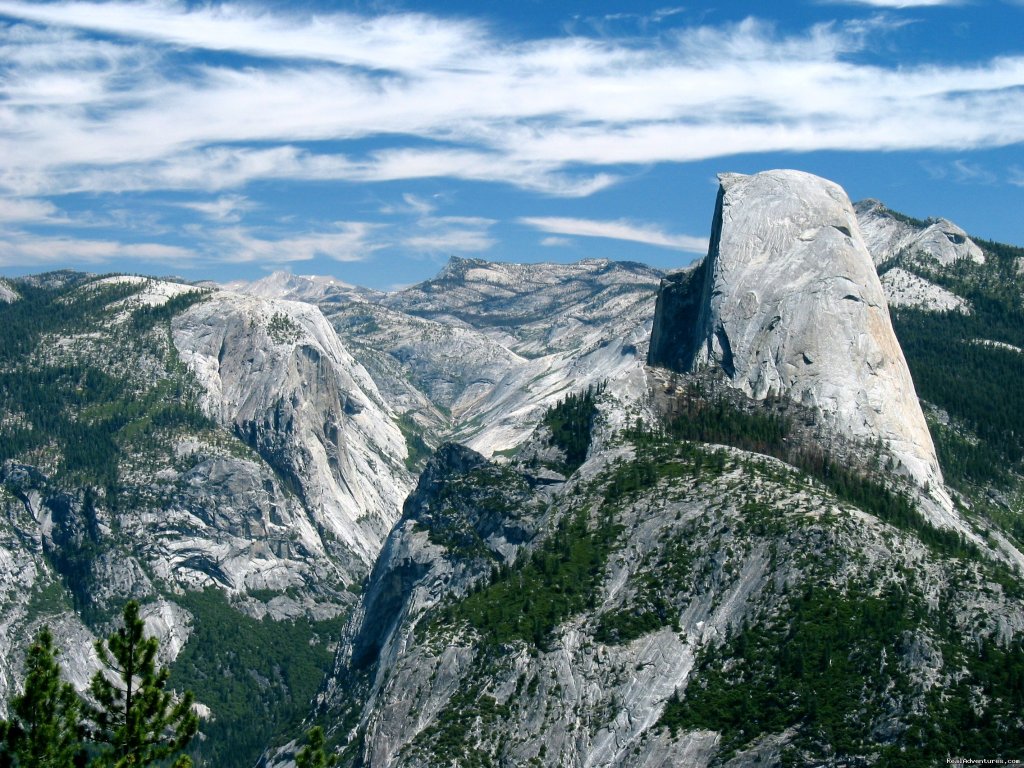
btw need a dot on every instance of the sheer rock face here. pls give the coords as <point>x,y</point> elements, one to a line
<point>276,374</point>
<point>789,304</point>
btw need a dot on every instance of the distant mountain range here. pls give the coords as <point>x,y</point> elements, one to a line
<point>537,514</point>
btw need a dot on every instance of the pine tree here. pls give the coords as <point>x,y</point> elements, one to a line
<point>44,729</point>
<point>312,755</point>
<point>137,722</point>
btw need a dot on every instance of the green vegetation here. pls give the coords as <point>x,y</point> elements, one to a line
<point>819,671</point>
<point>257,676</point>
<point>718,421</point>
<point>526,601</point>
<point>282,329</point>
<point>133,721</point>
<point>137,722</point>
<point>312,755</point>
<point>662,576</point>
<point>43,310</point>
<point>976,384</point>
<point>147,317</point>
<point>470,505</point>
<point>450,740</point>
<point>419,451</point>
<point>980,714</point>
<point>829,667</point>
<point>76,407</point>
<point>570,422</point>
<point>45,729</point>
<point>88,414</point>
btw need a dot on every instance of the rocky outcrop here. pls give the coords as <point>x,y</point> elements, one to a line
<point>905,289</point>
<point>312,289</point>
<point>7,293</point>
<point>790,305</point>
<point>716,544</point>
<point>275,373</point>
<point>492,346</point>
<point>887,234</point>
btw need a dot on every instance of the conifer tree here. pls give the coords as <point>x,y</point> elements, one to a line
<point>138,723</point>
<point>312,755</point>
<point>44,729</point>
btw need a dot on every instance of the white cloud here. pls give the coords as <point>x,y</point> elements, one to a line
<point>18,249</point>
<point>418,204</point>
<point>458,240</point>
<point>973,173</point>
<point>898,4</point>
<point>410,41</point>
<point>448,234</point>
<point>227,209</point>
<point>960,171</point>
<point>553,241</point>
<point>26,210</point>
<point>453,98</point>
<point>616,230</point>
<point>349,241</point>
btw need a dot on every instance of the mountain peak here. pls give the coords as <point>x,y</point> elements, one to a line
<point>788,303</point>
<point>888,233</point>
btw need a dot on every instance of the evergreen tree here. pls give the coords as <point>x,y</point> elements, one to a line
<point>44,728</point>
<point>137,722</point>
<point>312,755</point>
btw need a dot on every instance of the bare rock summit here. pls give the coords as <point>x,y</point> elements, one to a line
<point>788,303</point>
<point>887,234</point>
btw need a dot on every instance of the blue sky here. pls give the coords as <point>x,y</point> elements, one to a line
<point>373,140</point>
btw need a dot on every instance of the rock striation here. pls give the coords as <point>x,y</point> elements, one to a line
<point>788,303</point>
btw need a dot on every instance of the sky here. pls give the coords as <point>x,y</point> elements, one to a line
<point>372,140</point>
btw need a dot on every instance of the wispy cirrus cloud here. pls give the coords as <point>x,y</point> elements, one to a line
<point>616,230</point>
<point>451,234</point>
<point>124,98</point>
<point>227,209</point>
<point>347,241</point>
<point>26,210</point>
<point>21,248</point>
<point>898,4</point>
<point>456,100</point>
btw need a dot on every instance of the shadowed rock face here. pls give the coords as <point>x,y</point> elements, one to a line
<point>789,303</point>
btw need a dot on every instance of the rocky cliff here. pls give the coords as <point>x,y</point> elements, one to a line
<point>477,353</point>
<point>275,373</point>
<point>787,303</point>
<point>160,440</point>
<point>7,293</point>
<point>652,610</point>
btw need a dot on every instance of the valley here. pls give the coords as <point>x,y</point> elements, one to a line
<point>764,510</point>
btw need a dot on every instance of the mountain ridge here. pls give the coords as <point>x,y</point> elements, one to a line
<point>520,591</point>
